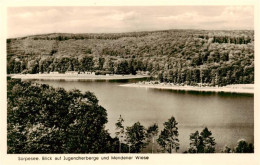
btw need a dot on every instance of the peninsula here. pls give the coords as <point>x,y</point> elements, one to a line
<point>235,88</point>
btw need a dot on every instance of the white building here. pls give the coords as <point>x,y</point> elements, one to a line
<point>90,73</point>
<point>54,72</point>
<point>142,72</point>
<point>71,72</point>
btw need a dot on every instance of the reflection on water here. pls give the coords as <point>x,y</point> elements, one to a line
<point>229,116</point>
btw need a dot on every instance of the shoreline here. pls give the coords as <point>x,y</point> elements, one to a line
<point>74,77</point>
<point>236,88</point>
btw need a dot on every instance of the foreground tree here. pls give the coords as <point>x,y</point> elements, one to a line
<point>244,147</point>
<point>208,141</point>
<point>226,149</point>
<point>135,136</point>
<point>168,139</point>
<point>120,131</point>
<point>152,131</point>
<point>196,143</point>
<point>42,119</point>
<point>202,143</point>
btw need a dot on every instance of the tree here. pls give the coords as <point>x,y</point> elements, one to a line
<point>226,149</point>
<point>122,67</point>
<point>42,119</point>
<point>34,66</point>
<point>208,141</point>
<point>202,142</point>
<point>120,131</point>
<point>244,147</point>
<point>168,139</point>
<point>196,144</point>
<point>152,131</point>
<point>87,63</point>
<point>135,136</point>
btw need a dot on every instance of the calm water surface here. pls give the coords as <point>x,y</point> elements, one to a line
<point>230,117</point>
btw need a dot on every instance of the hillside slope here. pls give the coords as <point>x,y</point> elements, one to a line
<point>178,56</point>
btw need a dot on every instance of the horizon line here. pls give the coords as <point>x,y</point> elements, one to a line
<point>30,35</point>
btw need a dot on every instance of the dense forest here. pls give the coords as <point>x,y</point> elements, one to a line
<point>177,56</point>
<point>43,119</point>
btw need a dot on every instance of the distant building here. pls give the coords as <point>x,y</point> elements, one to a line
<point>87,73</point>
<point>90,73</point>
<point>71,72</point>
<point>54,72</point>
<point>142,72</point>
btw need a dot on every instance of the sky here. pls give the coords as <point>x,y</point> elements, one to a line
<point>22,21</point>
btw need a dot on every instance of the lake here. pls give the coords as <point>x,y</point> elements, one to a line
<point>230,117</point>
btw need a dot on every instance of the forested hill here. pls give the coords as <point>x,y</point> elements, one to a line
<point>178,56</point>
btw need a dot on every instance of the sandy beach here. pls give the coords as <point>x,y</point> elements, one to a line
<point>74,77</point>
<point>236,88</point>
